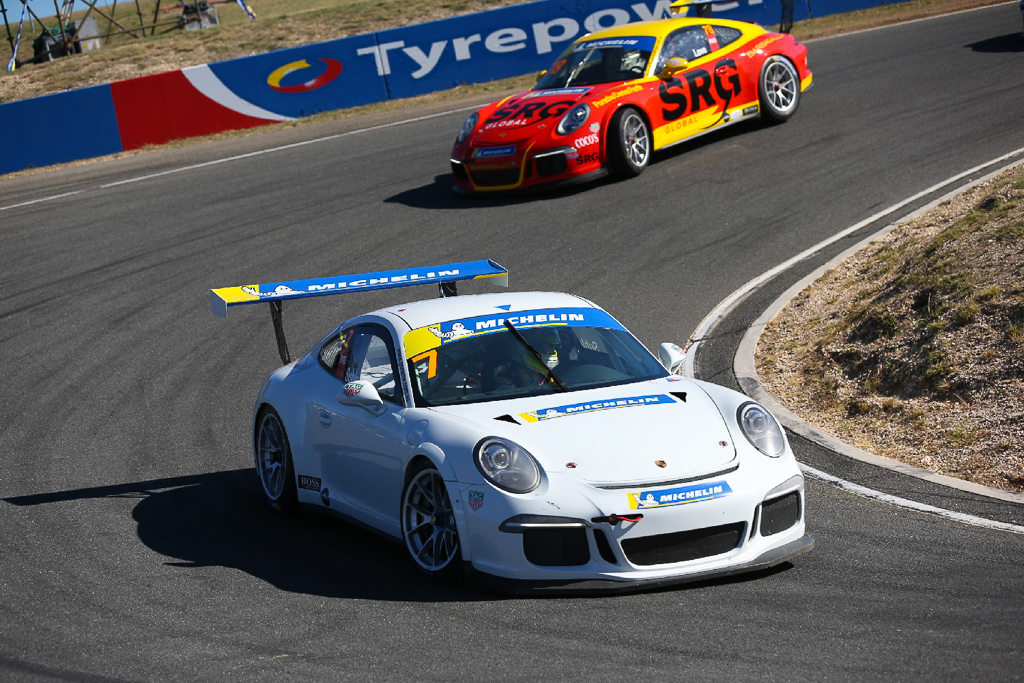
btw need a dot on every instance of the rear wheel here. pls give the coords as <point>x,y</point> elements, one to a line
<point>274,462</point>
<point>428,523</point>
<point>778,89</point>
<point>629,143</point>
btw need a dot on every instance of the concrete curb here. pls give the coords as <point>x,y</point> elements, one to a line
<point>746,373</point>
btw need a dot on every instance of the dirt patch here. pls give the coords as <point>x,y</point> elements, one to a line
<point>913,348</point>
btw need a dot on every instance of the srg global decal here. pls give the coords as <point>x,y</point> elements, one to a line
<point>682,495</point>
<point>329,70</point>
<point>700,91</point>
<point>593,406</point>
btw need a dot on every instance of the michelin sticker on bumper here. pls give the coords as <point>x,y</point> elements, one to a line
<point>684,495</point>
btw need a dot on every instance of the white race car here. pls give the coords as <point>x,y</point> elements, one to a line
<point>526,439</point>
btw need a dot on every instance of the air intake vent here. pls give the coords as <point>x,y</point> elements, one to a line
<point>683,546</point>
<point>507,418</point>
<point>780,514</point>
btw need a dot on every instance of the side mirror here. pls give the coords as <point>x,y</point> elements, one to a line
<point>672,357</point>
<point>362,395</point>
<point>672,67</point>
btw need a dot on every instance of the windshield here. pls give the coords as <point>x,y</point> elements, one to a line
<point>497,365</point>
<point>593,62</point>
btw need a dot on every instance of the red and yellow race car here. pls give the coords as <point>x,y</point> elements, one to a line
<point>617,95</point>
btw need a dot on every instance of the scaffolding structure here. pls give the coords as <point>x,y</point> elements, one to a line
<point>67,37</point>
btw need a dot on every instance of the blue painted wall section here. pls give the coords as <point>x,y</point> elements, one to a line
<point>358,70</point>
<point>54,129</point>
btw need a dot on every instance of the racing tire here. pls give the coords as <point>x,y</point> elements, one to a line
<point>629,144</point>
<point>428,524</point>
<point>274,462</point>
<point>778,89</point>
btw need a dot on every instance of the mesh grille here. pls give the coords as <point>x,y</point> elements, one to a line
<point>683,546</point>
<point>505,176</point>
<point>780,514</point>
<point>553,164</point>
<point>556,547</point>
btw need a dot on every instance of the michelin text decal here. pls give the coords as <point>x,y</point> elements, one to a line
<point>684,495</point>
<point>592,406</point>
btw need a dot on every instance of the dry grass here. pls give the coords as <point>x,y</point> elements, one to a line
<point>914,348</point>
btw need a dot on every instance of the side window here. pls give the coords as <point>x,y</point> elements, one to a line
<point>726,35</point>
<point>364,353</point>
<point>689,43</point>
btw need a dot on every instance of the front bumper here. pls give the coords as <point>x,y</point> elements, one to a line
<point>588,539</point>
<point>524,169</point>
<point>768,559</point>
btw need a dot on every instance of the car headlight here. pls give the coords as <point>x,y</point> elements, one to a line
<point>467,127</point>
<point>507,465</point>
<point>761,429</point>
<point>573,119</point>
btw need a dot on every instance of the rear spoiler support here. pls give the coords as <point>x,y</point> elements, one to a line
<point>282,343</point>
<point>444,276</point>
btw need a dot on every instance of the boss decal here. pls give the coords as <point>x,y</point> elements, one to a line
<point>682,495</point>
<point>309,483</point>
<point>593,406</point>
<point>700,90</point>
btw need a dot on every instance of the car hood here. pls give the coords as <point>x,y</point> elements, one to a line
<point>657,431</point>
<point>529,113</point>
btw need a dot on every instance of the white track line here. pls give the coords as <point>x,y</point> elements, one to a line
<point>746,374</point>
<point>185,169</point>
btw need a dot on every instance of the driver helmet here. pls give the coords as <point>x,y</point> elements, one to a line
<point>545,340</point>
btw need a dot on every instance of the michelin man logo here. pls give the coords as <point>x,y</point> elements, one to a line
<point>280,290</point>
<point>458,330</point>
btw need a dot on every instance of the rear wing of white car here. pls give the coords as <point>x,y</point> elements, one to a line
<point>274,293</point>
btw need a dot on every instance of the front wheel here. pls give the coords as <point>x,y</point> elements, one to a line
<point>778,89</point>
<point>428,523</point>
<point>629,143</point>
<point>274,462</point>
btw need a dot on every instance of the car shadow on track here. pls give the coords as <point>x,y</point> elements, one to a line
<point>1012,42</point>
<point>439,195</point>
<point>220,519</point>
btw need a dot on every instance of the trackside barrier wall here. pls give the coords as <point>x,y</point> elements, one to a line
<point>348,72</point>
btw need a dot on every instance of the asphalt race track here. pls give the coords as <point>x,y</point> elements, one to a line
<point>134,544</point>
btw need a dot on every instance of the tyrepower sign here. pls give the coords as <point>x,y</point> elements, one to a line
<point>497,44</point>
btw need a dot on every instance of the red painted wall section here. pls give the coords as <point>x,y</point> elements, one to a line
<point>152,110</point>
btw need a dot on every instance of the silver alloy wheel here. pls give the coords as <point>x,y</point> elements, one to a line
<point>272,455</point>
<point>636,139</point>
<point>780,86</point>
<point>428,522</point>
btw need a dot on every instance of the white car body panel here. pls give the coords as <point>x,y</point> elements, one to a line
<point>619,448</point>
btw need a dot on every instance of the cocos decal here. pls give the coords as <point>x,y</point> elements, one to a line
<point>331,70</point>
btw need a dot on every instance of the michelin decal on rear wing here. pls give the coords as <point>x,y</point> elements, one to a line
<point>225,297</point>
<point>444,276</point>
